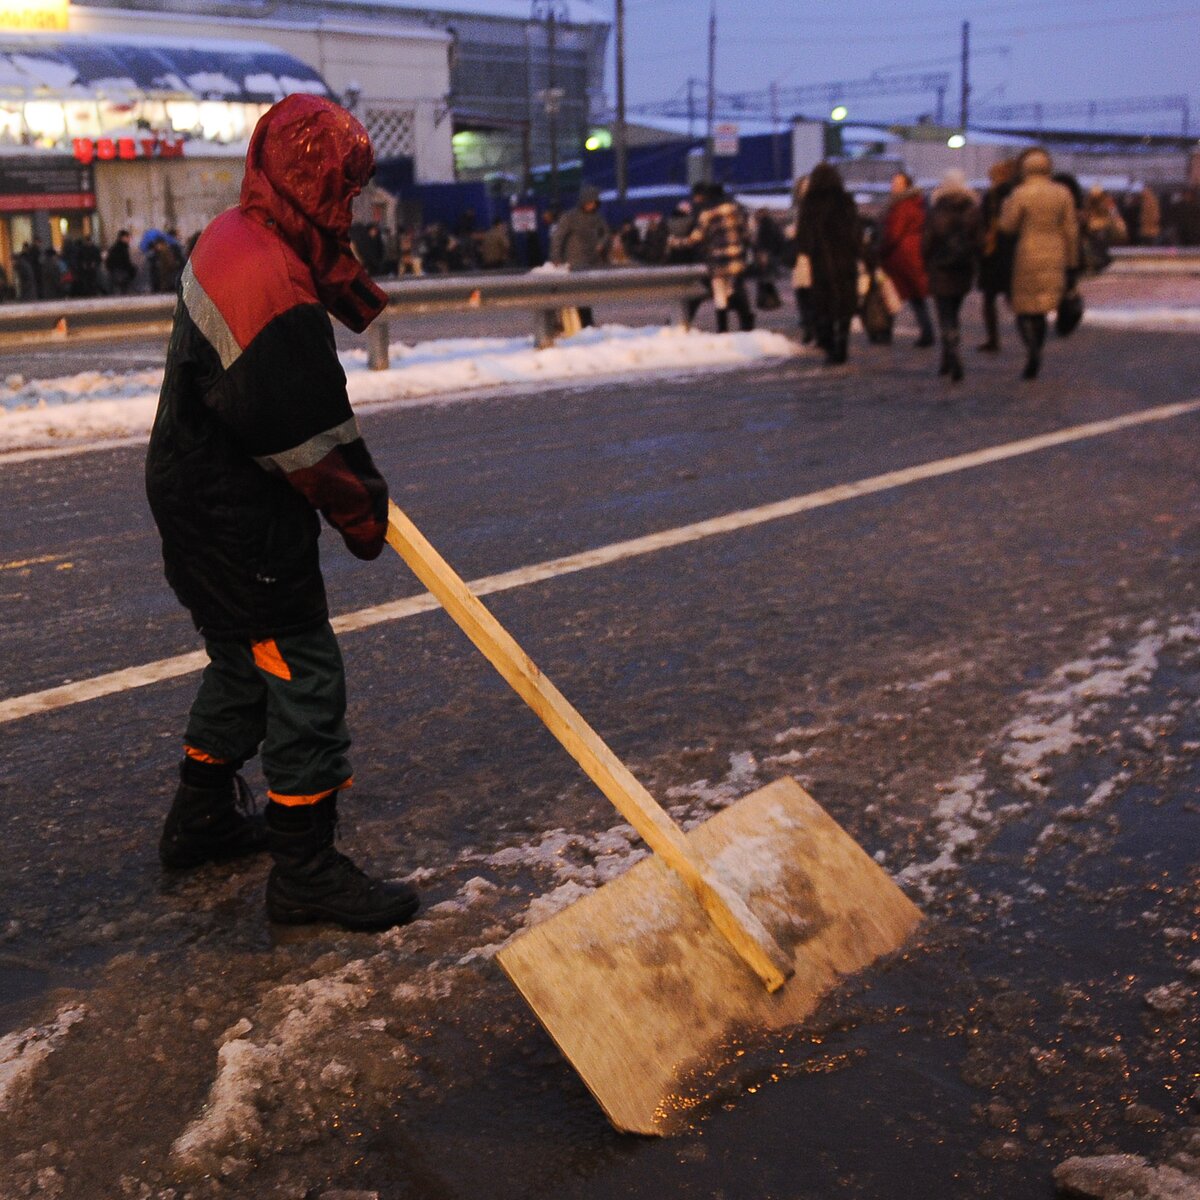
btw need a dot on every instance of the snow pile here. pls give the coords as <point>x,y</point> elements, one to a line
<point>96,404</point>
<point>251,1073</point>
<point>960,816</point>
<point>22,1053</point>
<point>1123,1177</point>
<point>695,800</point>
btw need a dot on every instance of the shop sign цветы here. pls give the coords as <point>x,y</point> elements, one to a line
<point>29,184</point>
<point>126,148</point>
<point>41,15</point>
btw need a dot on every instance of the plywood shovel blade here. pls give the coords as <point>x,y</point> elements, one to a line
<point>638,988</point>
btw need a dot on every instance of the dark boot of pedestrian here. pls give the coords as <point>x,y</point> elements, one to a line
<point>991,324</point>
<point>924,323</point>
<point>951,362</point>
<point>839,343</point>
<point>312,881</point>
<point>804,313</point>
<point>214,821</point>
<point>824,337</point>
<point>1033,334</point>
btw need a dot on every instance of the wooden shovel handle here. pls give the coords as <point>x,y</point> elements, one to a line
<point>727,910</point>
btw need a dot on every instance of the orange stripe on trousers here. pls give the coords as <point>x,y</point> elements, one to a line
<point>267,658</point>
<point>300,801</point>
<point>203,756</point>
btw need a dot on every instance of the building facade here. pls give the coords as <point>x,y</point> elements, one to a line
<point>134,114</point>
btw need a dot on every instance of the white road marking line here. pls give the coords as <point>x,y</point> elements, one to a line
<point>14,457</point>
<point>184,664</point>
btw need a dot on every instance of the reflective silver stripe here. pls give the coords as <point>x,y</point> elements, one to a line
<point>208,319</point>
<point>309,453</point>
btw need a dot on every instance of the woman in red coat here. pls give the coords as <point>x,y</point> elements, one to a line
<point>900,250</point>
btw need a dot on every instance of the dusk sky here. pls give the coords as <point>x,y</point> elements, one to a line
<point>1024,50</point>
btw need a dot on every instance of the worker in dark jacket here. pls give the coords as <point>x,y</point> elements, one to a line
<point>253,439</point>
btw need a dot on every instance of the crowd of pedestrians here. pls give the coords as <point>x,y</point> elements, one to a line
<point>80,269</point>
<point>1027,239</point>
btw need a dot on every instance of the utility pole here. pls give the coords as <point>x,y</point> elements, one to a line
<point>619,134</point>
<point>552,102</point>
<point>776,150</point>
<point>964,109</point>
<point>691,107</point>
<point>712,93</point>
<point>551,96</point>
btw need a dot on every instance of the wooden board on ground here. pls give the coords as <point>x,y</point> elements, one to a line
<point>638,988</point>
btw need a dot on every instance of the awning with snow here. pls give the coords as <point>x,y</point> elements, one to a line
<point>128,69</point>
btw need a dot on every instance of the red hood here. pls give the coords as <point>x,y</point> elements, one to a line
<point>307,161</point>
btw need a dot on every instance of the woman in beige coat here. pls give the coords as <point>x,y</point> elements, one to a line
<point>1041,215</point>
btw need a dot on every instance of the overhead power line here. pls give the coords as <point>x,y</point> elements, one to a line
<point>1037,113</point>
<point>767,101</point>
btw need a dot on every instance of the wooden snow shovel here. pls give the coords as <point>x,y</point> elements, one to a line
<point>737,927</point>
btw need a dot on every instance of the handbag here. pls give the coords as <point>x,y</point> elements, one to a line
<point>887,289</point>
<point>1070,313</point>
<point>876,319</point>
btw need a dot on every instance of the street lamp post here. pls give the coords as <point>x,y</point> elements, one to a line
<point>619,136</point>
<point>552,95</point>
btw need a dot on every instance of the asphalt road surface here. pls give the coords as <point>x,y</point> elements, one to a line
<point>990,675</point>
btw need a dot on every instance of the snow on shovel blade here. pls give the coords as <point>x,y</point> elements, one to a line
<point>639,990</point>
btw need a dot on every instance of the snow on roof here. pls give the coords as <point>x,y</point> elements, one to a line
<point>574,12</point>
<point>58,66</point>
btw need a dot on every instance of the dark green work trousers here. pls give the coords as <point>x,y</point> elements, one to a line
<point>287,695</point>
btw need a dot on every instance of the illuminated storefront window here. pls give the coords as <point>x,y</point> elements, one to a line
<point>56,90</point>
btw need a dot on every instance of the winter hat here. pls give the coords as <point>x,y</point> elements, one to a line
<point>588,195</point>
<point>954,183</point>
<point>954,180</point>
<point>1036,162</point>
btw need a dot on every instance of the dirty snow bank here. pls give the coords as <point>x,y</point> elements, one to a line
<point>22,1053</point>
<point>1124,1177</point>
<point>251,1071</point>
<point>106,404</point>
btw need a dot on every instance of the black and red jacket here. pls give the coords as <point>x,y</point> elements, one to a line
<point>254,434</point>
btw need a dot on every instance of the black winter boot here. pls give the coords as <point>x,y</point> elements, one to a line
<point>211,824</point>
<point>841,342</point>
<point>1033,334</point>
<point>311,881</point>
<point>951,362</point>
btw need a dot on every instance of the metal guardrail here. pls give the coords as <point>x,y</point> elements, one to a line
<point>544,293</point>
<point>1155,260</point>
